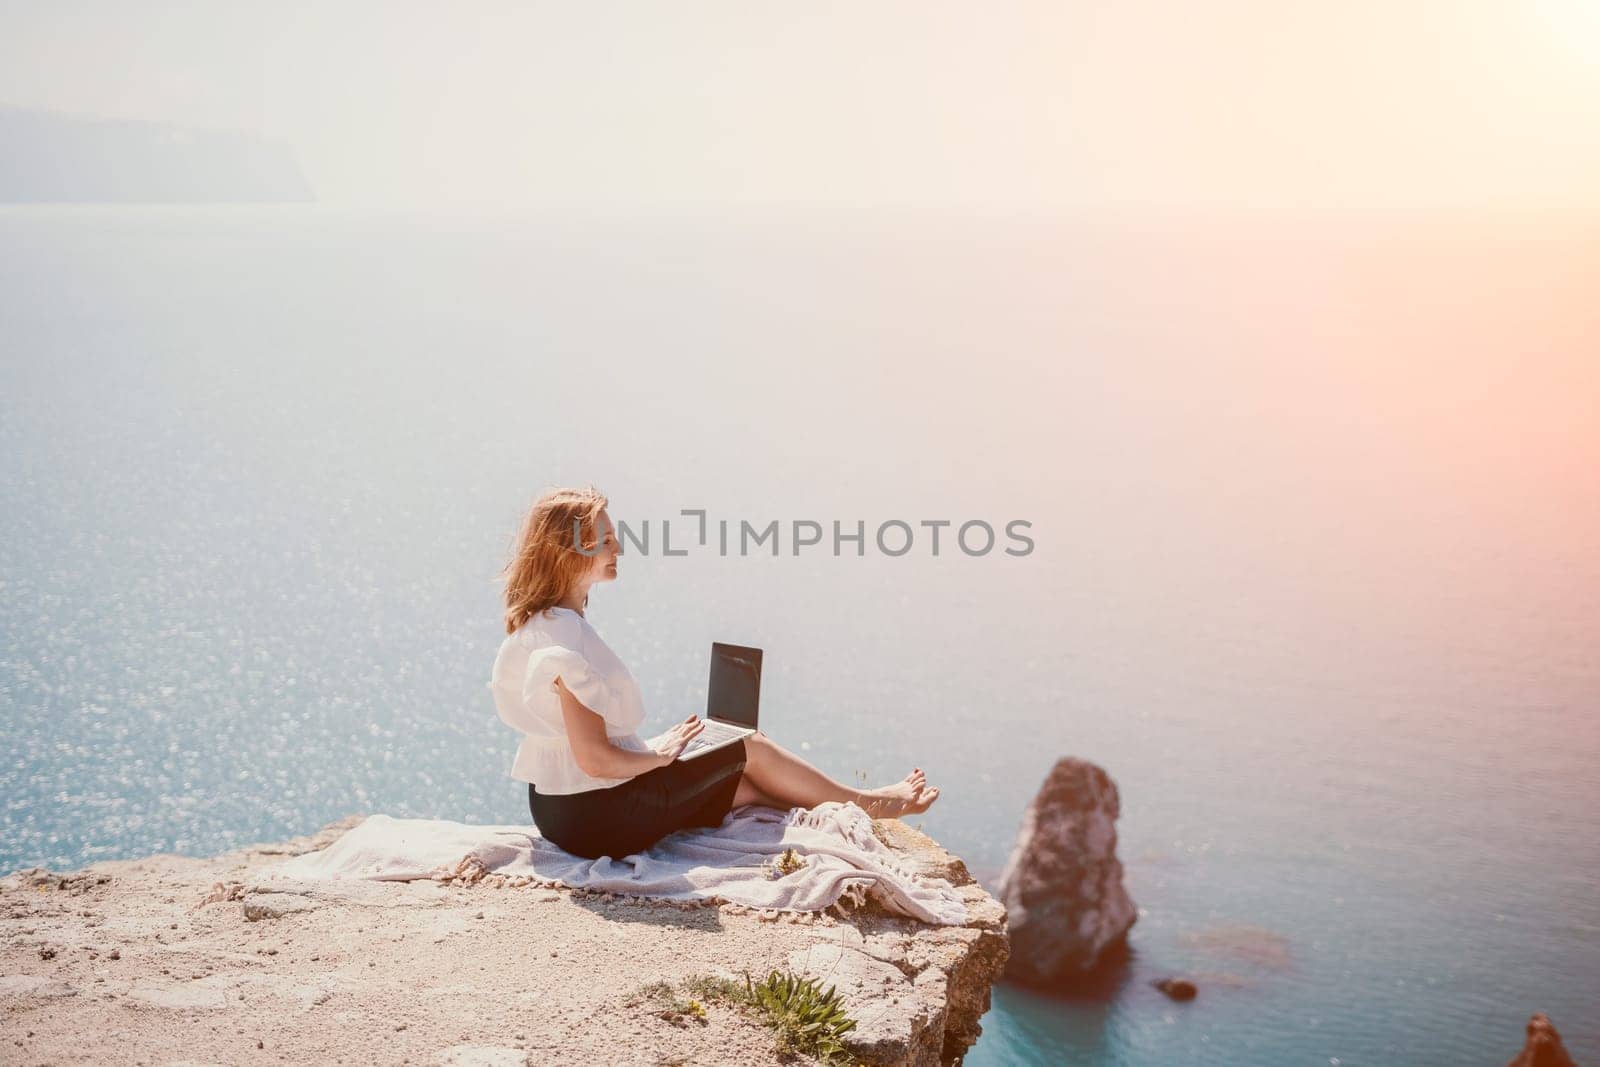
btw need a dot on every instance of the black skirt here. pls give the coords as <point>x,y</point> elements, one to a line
<point>634,815</point>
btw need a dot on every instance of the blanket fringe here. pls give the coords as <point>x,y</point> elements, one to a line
<point>470,871</point>
<point>849,819</point>
<point>857,827</point>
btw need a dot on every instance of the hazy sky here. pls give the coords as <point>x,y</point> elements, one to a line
<point>1363,104</point>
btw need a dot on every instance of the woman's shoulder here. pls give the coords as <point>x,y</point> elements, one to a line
<point>560,626</point>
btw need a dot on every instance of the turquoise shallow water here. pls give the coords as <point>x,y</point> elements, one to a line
<point>1322,600</point>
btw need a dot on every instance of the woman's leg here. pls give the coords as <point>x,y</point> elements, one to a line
<point>750,793</point>
<point>782,776</point>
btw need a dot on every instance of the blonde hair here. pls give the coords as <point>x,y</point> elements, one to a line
<point>547,565</point>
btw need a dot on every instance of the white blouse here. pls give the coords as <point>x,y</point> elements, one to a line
<point>560,642</point>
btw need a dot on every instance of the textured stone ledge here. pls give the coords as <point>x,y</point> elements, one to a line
<point>172,959</point>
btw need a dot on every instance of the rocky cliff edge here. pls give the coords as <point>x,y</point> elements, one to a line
<point>182,960</point>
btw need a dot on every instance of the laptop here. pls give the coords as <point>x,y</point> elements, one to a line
<point>732,701</point>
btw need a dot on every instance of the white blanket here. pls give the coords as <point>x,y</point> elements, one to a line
<point>736,862</point>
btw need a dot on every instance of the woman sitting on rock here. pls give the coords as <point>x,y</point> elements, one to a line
<point>595,788</point>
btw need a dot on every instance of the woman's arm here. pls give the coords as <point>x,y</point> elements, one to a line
<point>597,756</point>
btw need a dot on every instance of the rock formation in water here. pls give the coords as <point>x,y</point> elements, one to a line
<point>1176,988</point>
<point>1543,1047</point>
<point>1062,887</point>
<point>174,958</point>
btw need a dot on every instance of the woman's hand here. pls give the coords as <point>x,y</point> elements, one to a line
<point>672,743</point>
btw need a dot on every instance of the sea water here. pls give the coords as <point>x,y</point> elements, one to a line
<point>1314,568</point>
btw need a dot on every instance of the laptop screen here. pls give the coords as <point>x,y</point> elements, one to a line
<point>735,693</point>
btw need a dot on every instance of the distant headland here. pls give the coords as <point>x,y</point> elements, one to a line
<point>49,157</point>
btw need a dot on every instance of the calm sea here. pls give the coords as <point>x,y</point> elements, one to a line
<point>1315,577</point>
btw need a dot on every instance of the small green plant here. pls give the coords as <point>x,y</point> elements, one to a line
<point>806,1017</point>
<point>668,1005</point>
<point>708,987</point>
<point>651,991</point>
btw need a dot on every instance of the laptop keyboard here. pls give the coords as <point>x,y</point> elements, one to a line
<point>713,734</point>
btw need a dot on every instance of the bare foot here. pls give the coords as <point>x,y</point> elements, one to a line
<point>909,796</point>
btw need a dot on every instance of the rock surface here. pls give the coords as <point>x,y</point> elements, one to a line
<point>1543,1047</point>
<point>1062,886</point>
<point>173,959</point>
